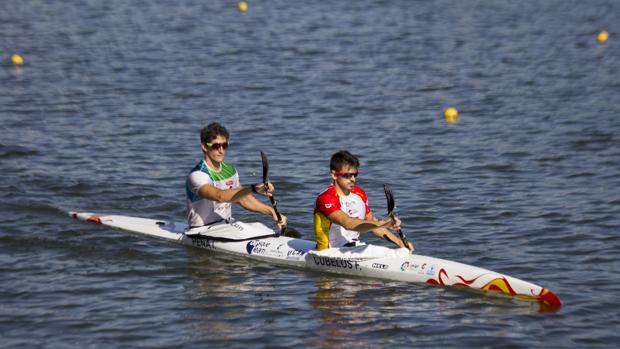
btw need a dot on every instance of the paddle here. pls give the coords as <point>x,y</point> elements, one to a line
<point>390,208</point>
<point>285,230</point>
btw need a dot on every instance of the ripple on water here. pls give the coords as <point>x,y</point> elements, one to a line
<point>15,151</point>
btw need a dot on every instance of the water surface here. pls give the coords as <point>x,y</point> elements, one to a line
<point>105,117</point>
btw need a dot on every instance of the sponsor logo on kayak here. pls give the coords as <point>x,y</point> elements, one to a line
<point>278,252</point>
<point>270,249</point>
<point>203,243</point>
<point>337,262</point>
<point>409,266</point>
<point>426,269</point>
<point>294,254</point>
<point>237,225</point>
<point>379,266</point>
<point>257,247</point>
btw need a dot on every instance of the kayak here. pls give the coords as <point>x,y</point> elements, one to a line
<point>258,242</point>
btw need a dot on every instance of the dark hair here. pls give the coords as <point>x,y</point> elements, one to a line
<point>342,158</point>
<point>211,131</point>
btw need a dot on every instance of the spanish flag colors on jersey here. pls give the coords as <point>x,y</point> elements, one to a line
<point>329,234</point>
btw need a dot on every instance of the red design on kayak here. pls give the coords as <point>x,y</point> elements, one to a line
<point>467,282</point>
<point>548,297</point>
<point>94,219</point>
<point>443,272</point>
<point>439,281</point>
<point>498,284</point>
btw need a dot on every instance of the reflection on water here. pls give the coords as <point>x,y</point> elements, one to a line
<point>528,305</point>
<point>343,311</point>
<point>354,311</point>
<point>243,299</point>
<point>223,294</point>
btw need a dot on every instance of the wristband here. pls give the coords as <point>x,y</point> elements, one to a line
<point>254,188</point>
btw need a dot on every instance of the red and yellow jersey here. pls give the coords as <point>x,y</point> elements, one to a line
<point>329,234</point>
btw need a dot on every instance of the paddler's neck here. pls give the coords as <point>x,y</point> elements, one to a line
<point>213,165</point>
<point>341,191</point>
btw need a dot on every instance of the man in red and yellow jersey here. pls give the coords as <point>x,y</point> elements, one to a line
<point>342,213</point>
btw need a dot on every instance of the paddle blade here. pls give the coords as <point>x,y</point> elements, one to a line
<point>291,232</point>
<point>389,198</point>
<point>390,206</point>
<point>265,167</point>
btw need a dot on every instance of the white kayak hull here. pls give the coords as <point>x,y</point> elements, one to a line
<point>300,253</point>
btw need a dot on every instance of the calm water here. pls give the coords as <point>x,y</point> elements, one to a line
<point>105,114</point>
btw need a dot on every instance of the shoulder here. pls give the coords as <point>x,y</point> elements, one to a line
<point>200,167</point>
<point>328,201</point>
<point>328,193</point>
<point>200,172</point>
<point>197,178</point>
<point>360,192</point>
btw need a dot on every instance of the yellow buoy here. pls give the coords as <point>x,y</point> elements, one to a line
<point>602,37</point>
<point>451,115</point>
<point>243,6</point>
<point>17,59</point>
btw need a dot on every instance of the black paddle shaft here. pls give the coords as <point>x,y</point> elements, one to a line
<point>274,203</point>
<point>390,208</point>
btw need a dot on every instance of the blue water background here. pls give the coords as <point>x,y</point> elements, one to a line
<point>104,116</point>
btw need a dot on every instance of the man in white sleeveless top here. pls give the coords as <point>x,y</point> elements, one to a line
<point>213,184</point>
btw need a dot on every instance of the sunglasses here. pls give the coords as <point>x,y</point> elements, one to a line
<point>217,146</point>
<point>347,175</point>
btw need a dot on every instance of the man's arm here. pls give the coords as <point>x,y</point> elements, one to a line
<point>356,224</point>
<point>223,195</point>
<point>251,203</point>
<point>210,192</point>
<point>384,233</point>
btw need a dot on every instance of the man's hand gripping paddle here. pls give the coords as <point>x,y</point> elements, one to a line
<point>390,208</point>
